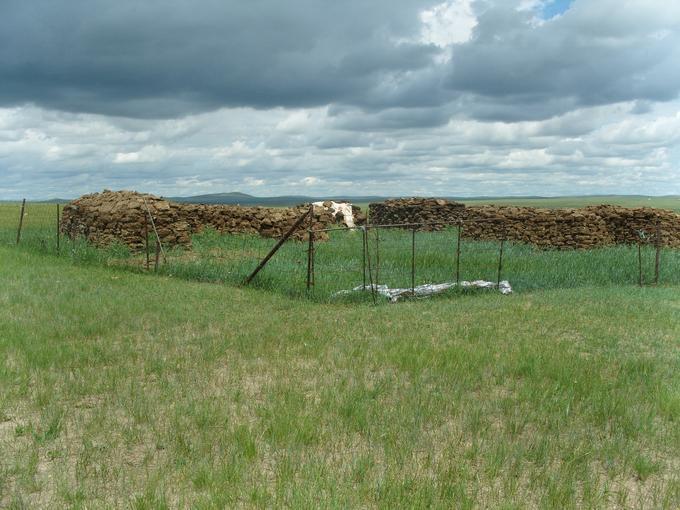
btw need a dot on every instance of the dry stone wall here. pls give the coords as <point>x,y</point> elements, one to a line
<point>436,212</point>
<point>584,228</point>
<point>120,216</point>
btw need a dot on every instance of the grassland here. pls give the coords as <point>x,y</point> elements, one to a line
<point>669,202</point>
<point>339,262</point>
<point>120,388</point>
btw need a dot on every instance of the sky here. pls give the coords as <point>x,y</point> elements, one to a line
<point>351,97</point>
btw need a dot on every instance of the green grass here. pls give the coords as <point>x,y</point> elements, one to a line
<point>121,388</point>
<point>671,202</point>
<point>339,263</point>
<point>131,390</point>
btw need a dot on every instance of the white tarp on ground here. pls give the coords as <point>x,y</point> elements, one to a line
<point>428,289</point>
<point>344,208</point>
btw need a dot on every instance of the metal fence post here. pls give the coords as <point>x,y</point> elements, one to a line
<point>146,243</point>
<point>500,262</point>
<point>21,220</point>
<point>413,261</point>
<point>377,255</point>
<point>58,233</point>
<point>639,263</point>
<point>310,249</point>
<point>363,258</point>
<point>460,228</point>
<point>370,271</point>
<point>657,259</point>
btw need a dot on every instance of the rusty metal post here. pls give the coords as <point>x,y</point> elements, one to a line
<point>500,262</point>
<point>370,271</point>
<point>21,220</point>
<point>158,255</point>
<point>58,233</point>
<point>153,224</point>
<point>363,260</point>
<point>413,261</point>
<point>278,245</point>
<point>310,250</point>
<point>657,259</point>
<point>639,264</point>
<point>146,243</point>
<point>377,256</point>
<point>460,228</point>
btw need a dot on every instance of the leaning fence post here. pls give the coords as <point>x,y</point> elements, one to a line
<point>21,220</point>
<point>657,260</point>
<point>58,233</point>
<point>153,224</point>
<point>276,247</point>
<point>460,228</point>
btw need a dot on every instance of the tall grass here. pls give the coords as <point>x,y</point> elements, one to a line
<point>339,262</point>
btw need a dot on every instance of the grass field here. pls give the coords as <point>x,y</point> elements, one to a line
<point>339,266</point>
<point>120,388</point>
<point>670,202</point>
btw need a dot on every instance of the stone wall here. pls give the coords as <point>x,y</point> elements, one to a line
<point>417,210</point>
<point>120,216</point>
<point>588,227</point>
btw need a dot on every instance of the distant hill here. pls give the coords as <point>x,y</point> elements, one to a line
<point>282,201</point>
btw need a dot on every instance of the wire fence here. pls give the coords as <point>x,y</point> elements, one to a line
<point>335,261</point>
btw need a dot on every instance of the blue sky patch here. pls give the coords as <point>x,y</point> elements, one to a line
<point>554,8</point>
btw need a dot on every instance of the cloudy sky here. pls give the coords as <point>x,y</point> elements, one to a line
<point>354,97</point>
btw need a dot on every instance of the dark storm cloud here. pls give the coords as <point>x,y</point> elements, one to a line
<point>170,58</point>
<point>167,58</point>
<point>598,52</point>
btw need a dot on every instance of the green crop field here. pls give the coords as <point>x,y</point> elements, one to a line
<point>124,388</point>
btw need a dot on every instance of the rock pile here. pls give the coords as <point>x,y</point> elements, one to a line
<point>417,210</point>
<point>584,228</point>
<point>121,216</point>
<point>108,217</point>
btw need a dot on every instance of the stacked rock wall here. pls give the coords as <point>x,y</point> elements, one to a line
<point>121,216</point>
<point>436,213</point>
<point>584,228</point>
<point>545,228</point>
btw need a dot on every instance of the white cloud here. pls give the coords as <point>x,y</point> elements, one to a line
<point>448,23</point>
<point>310,181</point>
<point>147,154</point>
